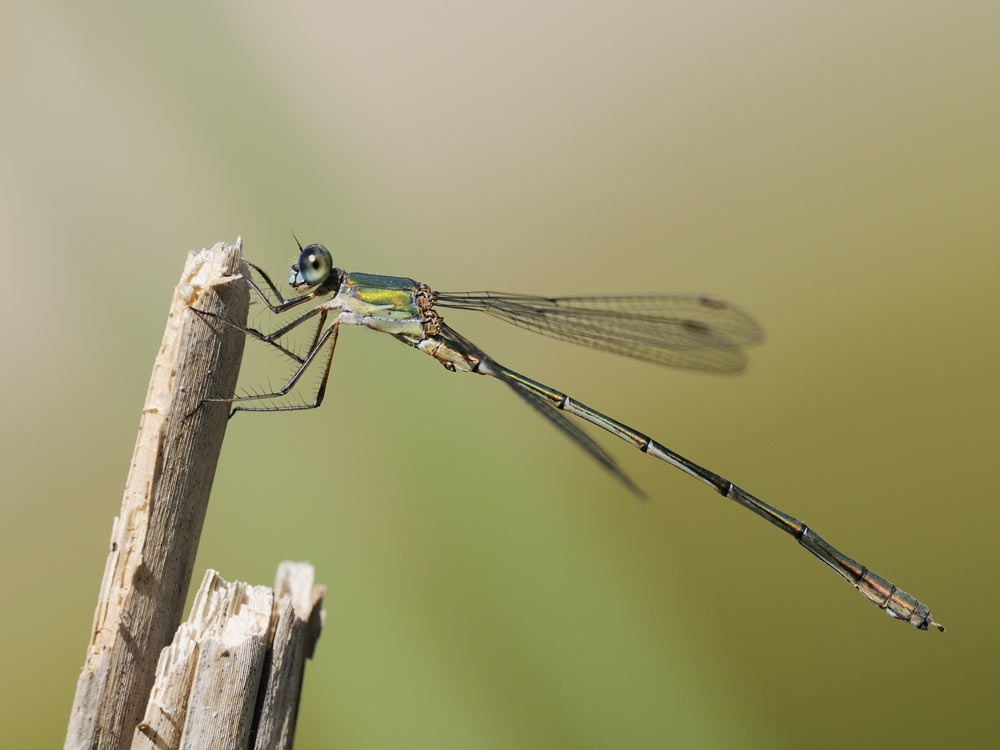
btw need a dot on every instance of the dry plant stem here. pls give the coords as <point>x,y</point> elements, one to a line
<point>231,678</point>
<point>155,536</point>
<point>298,619</point>
<point>207,678</point>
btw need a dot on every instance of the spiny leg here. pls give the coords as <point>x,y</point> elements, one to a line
<point>321,391</point>
<point>252,332</point>
<point>315,338</point>
<point>283,304</point>
<point>267,280</point>
<point>312,346</point>
<point>329,335</point>
<point>269,338</point>
<point>315,341</point>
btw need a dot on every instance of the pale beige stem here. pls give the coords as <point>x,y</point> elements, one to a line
<point>155,536</point>
<point>232,676</point>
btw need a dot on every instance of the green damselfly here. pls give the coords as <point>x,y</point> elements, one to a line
<point>695,332</point>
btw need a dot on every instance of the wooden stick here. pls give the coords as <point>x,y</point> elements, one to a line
<point>299,617</point>
<point>155,536</point>
<point>207,678</point>
<point>233,674</point>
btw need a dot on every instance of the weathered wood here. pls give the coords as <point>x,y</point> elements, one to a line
<point>155,536</point>
<point>299,617</point>
<point>232,676</point>
<point>230,664</point>
<point>206,679</point>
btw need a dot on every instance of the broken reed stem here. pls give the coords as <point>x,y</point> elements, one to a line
<point>232,677</point>
<point>155,536</point>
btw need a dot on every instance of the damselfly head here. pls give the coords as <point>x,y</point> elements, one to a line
<point>313,267</point>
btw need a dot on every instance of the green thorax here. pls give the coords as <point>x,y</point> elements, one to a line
<point>381,296</point>
<point>378,281</point>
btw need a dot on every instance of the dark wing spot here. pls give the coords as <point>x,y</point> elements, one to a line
<point>696,326</point>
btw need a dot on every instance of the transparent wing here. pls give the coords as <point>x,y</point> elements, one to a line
<point>551,413</point>
<point>574,433</point>
<point>689,331</point>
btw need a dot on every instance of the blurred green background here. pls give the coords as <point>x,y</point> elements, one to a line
<point>832,168</point>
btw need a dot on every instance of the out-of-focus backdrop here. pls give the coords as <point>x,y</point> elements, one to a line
<point>832,168</point>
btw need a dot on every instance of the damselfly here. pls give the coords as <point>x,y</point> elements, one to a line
<point>695,332</point>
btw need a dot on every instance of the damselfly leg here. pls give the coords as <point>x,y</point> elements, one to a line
<point>320,338</point>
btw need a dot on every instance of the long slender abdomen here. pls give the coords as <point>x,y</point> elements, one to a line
<point>876,589</point>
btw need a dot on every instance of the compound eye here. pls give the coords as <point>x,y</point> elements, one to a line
<point>315,264</point>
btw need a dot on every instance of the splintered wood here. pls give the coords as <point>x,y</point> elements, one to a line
<point>232,676</point>
<point>235,668</point>
<point>155,536</point>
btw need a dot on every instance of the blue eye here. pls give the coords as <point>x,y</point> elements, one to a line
<point>315,264</point>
